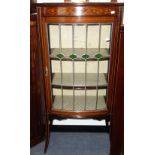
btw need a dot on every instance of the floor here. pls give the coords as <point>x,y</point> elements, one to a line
<point>75,143</point>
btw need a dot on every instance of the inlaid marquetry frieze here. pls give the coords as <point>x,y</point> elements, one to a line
<point>80,11</point>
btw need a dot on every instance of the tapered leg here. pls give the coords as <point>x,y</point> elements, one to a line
<point>47,135</point>
<point>107,123</point>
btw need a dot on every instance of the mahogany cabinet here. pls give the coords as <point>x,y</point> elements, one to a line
<point>59,27</point>
<point>68,35</point>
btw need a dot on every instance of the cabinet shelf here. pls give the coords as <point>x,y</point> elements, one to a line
<point>79,53</point>
<point>79,81</point>
<point>79,103</point>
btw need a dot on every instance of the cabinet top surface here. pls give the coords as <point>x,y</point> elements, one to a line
<point>79,4</point>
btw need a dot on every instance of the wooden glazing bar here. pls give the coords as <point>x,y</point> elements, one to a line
<point>86,69</point>
<point>73,67</point>
<point>98,65</point>
<point>60,47</point>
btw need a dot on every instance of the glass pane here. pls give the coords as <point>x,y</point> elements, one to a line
<point>80,57</point>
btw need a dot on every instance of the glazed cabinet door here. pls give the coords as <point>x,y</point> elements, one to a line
<point>77,34</point>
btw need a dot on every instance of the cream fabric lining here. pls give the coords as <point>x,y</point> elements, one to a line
<point>79,79</point>
<point>79,103</point>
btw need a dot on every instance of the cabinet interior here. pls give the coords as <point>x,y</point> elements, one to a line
<point>79,59</point>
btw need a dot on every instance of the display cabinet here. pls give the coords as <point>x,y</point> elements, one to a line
<point>79,46</point>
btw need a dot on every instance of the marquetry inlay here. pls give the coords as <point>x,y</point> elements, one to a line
<point>80,11</point>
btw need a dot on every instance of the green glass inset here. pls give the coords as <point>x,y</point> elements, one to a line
<point>98,56</point>
<point>60,56</point>
<point>85,56</point>
<point>73,56</point>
